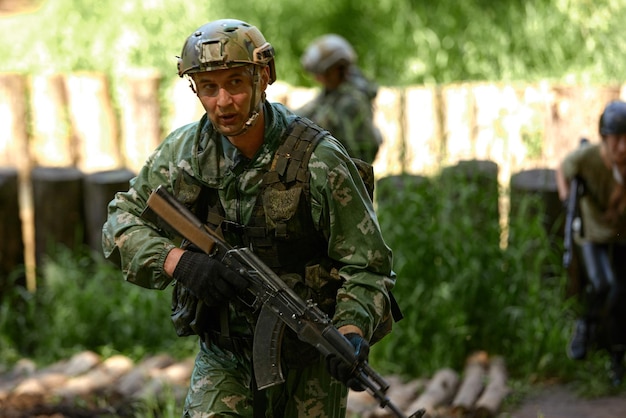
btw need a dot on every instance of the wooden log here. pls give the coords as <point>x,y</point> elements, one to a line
<point>13,129</point>
<point>52,140</point>
<point>480,199</point>
<point>472,384</point>
<point>388,119</point>
<point>439,392</point>
<point>141,116</point>
<point>99,380</point>
<point>12,243</point>
<point>93,121</point>
<point>489,403</point>
<point>58,209</point>
<point>400,393</point>
<point>136,380</point>
<point>422,147</point>
<point>539,183</point>
<point>99,190</point>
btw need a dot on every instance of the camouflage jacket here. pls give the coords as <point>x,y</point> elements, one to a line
<point>195,155</point>
<point>347,113</point>
<point>586,162</point>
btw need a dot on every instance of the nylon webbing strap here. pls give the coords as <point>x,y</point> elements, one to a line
<point>292,157</point>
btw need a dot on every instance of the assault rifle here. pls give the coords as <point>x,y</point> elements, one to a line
<point>279,306</point>
<point>572,215</point>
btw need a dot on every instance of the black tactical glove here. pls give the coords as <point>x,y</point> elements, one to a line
<point>342,371</point>
<point>208,279</point>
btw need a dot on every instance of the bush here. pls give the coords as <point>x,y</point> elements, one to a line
<point>461,289</point>
<point>84,304</point>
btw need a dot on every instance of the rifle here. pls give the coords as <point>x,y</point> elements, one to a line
<point>279,305</point>
<point>572,215</point>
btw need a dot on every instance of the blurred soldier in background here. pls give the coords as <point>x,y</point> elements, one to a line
<point>345,104</point>
<point>602,238</point>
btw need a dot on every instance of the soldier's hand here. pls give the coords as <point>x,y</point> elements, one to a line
<point>208,279</point>
<point>342,371</point>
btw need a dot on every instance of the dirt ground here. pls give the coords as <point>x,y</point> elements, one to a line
<point>560,401</point>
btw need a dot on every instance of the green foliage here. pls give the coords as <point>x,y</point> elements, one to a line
<point>399,42</point>
<point>459,290</point>
<point>84,304</point>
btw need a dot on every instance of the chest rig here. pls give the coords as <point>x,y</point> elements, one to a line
<point>280,231</point>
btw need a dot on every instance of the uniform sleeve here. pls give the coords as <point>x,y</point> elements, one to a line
<point>138,246</point>
<point>343,210</point>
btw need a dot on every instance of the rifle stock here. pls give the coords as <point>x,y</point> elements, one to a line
<point>571,215</point>
<point>279,305</point>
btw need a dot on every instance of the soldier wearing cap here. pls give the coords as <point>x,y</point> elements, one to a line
<point>601,167</point>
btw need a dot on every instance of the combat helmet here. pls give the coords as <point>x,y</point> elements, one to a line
<point>326,51</point>
<point>223,44</point>
<point>613,119</point>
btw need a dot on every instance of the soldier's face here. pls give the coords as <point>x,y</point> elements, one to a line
<point>226,96</point>
<point>331,79</point>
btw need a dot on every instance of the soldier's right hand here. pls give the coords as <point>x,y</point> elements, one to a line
<point>208,279</point>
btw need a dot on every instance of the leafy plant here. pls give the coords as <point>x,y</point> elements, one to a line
<point>85,304</point>
<point>460,290</point>
<point>399,42</point>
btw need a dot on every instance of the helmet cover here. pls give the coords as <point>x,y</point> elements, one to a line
<point>223,44</point>
<point>326,51</point>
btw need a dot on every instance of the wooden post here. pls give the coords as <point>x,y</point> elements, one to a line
<point>13,114</point>
<point>100,189</point>
<point>12,243</point>
<point>52,137</point>
<point>422,130</point>
<point>481,200</point>
<point>58,209</point>
<point>141,116</point>
<point>388,118</point>
<point>541,184</point>
<point>93,121</point>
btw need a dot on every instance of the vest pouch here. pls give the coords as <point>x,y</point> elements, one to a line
<point>280,208</point>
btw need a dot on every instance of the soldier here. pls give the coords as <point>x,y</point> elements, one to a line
<point>345,104</point>
<point>602,169</point>
<point>319,232</point>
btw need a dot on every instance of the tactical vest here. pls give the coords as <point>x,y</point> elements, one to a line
<point>281,231</point>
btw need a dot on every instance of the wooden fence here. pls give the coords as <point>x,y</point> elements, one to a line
<point>73,129</point>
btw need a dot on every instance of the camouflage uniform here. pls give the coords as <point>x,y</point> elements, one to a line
<point>196,156</point>
<point>347,113</point>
